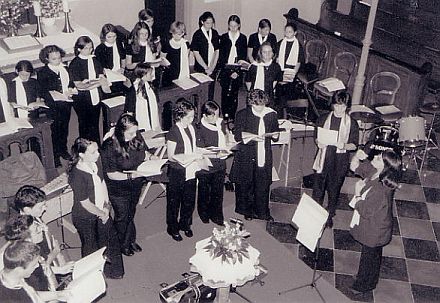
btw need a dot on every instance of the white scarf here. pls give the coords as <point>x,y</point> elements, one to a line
<point>4,101</point>
<point>184,63</point>
<point>94,94</point>
<point>261,152</point>
<point>99,186</point>
<point>21,97</point>
<point>292,59</point>
<point>261,39</point>
<point>116,57</point>
<point>190,170</point>
<point>147,108</point>
<point>208,36</point>
<point>343,135</point>
<point>149,56</point>
<point>216,128</point>
<point>233,51</point>
<point>64,75</point>
<point>259,78</point>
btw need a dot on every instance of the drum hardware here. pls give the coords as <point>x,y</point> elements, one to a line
<point>433,109</point>
<point>366,121</point>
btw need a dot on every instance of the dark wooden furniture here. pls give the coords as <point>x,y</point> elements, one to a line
<point>345,33</point>
<point>42,135</point>
<point>167,97</point>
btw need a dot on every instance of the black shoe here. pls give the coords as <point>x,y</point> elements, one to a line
<point>176,236</point>
<point>248,217</point>
<point>206,221</point>
<point>218,222</point>
<point>188,233</point>
<point>127,251</point>
<point>57,162</point>
<point>135,247</point>
<point>66,156</point>
<point>270,219</point>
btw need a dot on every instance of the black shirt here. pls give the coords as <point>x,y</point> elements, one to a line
<point>48,80</point>
<point>225,48</point>
<point>173,55</point>
<point>104,54</point>
<point>200,44</point>
<point>254,43</point>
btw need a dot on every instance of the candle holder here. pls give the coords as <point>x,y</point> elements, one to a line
<point>67,27</point>
<point>39,33</point>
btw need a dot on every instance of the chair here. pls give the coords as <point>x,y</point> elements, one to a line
<point>382,91</point>
<point>316,53</point>
<point>345,64</point>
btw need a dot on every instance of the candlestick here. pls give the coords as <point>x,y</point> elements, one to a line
<point>67,27</point>
<point>39,33</point>
<point>66,6</point>
<point>37,8</point>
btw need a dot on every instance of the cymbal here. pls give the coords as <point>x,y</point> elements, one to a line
<point>433,107</point>
<point>367,117</point>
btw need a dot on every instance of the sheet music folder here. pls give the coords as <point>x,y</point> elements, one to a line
<point>310,218</point>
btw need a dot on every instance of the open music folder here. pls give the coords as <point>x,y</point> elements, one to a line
<point>88,281</point>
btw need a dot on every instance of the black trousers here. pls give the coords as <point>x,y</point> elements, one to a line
<point>124,199</point>
<point>230,88</point>
<point>252,196</point>
<point>60,113</point>
<point>210,196</point>
<point>88,118</point>
<point>181,198</point>
<point>369,268</point>
<point>332,183</point>
<point>95,235</point>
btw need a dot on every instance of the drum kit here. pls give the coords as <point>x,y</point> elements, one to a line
<point>404,136</point>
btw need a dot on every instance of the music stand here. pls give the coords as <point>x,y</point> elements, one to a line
<point>63,245</point>
<point>311,217</point>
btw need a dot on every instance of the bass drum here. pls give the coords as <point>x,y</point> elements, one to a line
<point>385,134</point>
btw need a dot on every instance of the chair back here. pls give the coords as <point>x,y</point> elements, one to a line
<point>383,88</point>
<point>316,53</point>
<point>345,64</point>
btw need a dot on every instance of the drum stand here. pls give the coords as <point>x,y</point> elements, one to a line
<point>428,140</point>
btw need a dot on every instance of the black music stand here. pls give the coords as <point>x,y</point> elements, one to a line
<point>63,245</point>
<point>315,278</point>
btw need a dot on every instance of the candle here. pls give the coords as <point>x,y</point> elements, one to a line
<point>37,8</point>
<point>65,6</point>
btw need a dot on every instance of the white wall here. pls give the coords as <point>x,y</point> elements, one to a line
<point>93,14</point>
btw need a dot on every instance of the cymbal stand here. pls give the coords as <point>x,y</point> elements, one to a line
<point>63,245</point>
<point>427,141</point>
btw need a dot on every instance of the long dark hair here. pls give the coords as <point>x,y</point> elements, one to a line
<point>392,171</point>
<point>79,147</point>
<point>122,147</point>
<point>205,16</point>
<point>134,37</point>
<point>81,42</point>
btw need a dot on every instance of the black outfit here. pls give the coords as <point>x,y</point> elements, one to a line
<point>32,90</point>
<point>88,114</point>
<point>288,91</point>
<point>252,182</point>
<point>104,55</point>
<point>201,45</point>
<point>173,55</point>
<point>124,194</point>
<point>137,57</point>
<point>335,167</point>
<point>92,232</point>
<point>18,295</point>
<point>230,86</point>
<point>181,194</point>
<point>272,73</point>
<point>254,43</point>
<point>210,187</point>
<point>59,110</point>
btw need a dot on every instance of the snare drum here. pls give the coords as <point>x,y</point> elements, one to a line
<point>412,131</point>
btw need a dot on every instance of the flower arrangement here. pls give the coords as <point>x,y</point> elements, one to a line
<point>11,12</point>
<point>50,8</point>
<point>229,244</point>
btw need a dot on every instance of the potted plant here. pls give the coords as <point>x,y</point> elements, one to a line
<point>10,15</point>
<point>50,10</point>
